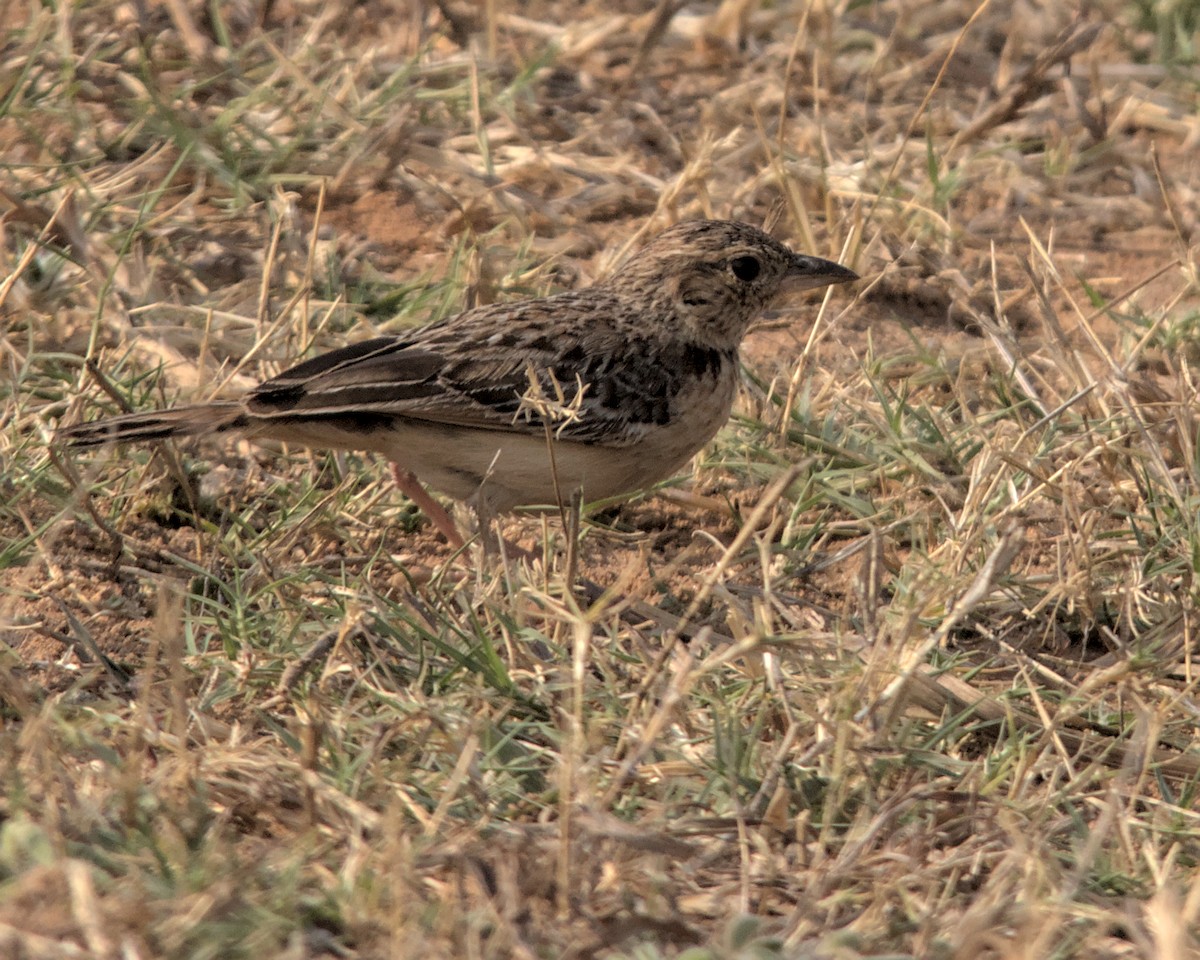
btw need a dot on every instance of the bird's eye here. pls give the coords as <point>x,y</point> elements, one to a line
<point>745,268</point>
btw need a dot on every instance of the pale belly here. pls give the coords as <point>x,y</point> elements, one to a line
<point>516,470</point>
<point>499,470</point>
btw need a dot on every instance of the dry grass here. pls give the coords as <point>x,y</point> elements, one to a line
<point>905,670</point>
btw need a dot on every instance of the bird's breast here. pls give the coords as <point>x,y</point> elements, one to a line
<point>657,414</point>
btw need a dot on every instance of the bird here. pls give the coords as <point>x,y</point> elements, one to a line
<point>595,392</point>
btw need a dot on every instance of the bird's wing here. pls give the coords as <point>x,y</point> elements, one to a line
<point>512,368</point>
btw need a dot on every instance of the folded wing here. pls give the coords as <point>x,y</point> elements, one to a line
<point>449,376</point>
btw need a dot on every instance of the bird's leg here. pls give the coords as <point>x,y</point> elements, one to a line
<point>485,518</point>
<point>489,535</point>
<point>410,486</point>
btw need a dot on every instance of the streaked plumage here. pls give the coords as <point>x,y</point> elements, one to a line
<point>641,370</point>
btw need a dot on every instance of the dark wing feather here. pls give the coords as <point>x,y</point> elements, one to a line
<point>474,371</point>
<point>377,373</point>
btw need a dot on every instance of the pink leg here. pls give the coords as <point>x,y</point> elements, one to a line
<point>410,486</point>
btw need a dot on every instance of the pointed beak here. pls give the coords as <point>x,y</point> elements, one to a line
<point>809,273</point>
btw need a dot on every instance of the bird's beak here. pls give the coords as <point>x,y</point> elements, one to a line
<point>809,273</point>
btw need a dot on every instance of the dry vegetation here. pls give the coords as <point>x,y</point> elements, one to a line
<point>904,669</point>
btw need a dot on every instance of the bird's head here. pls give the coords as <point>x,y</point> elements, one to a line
<point>716,277</point>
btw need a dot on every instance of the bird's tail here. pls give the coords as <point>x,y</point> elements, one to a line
<point>159,425</point>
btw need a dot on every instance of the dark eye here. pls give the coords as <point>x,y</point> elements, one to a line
<point>745,268</point>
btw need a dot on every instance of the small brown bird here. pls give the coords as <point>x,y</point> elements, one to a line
<point>604,390</point>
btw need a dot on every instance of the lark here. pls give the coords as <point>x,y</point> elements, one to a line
<point>598,392</point>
